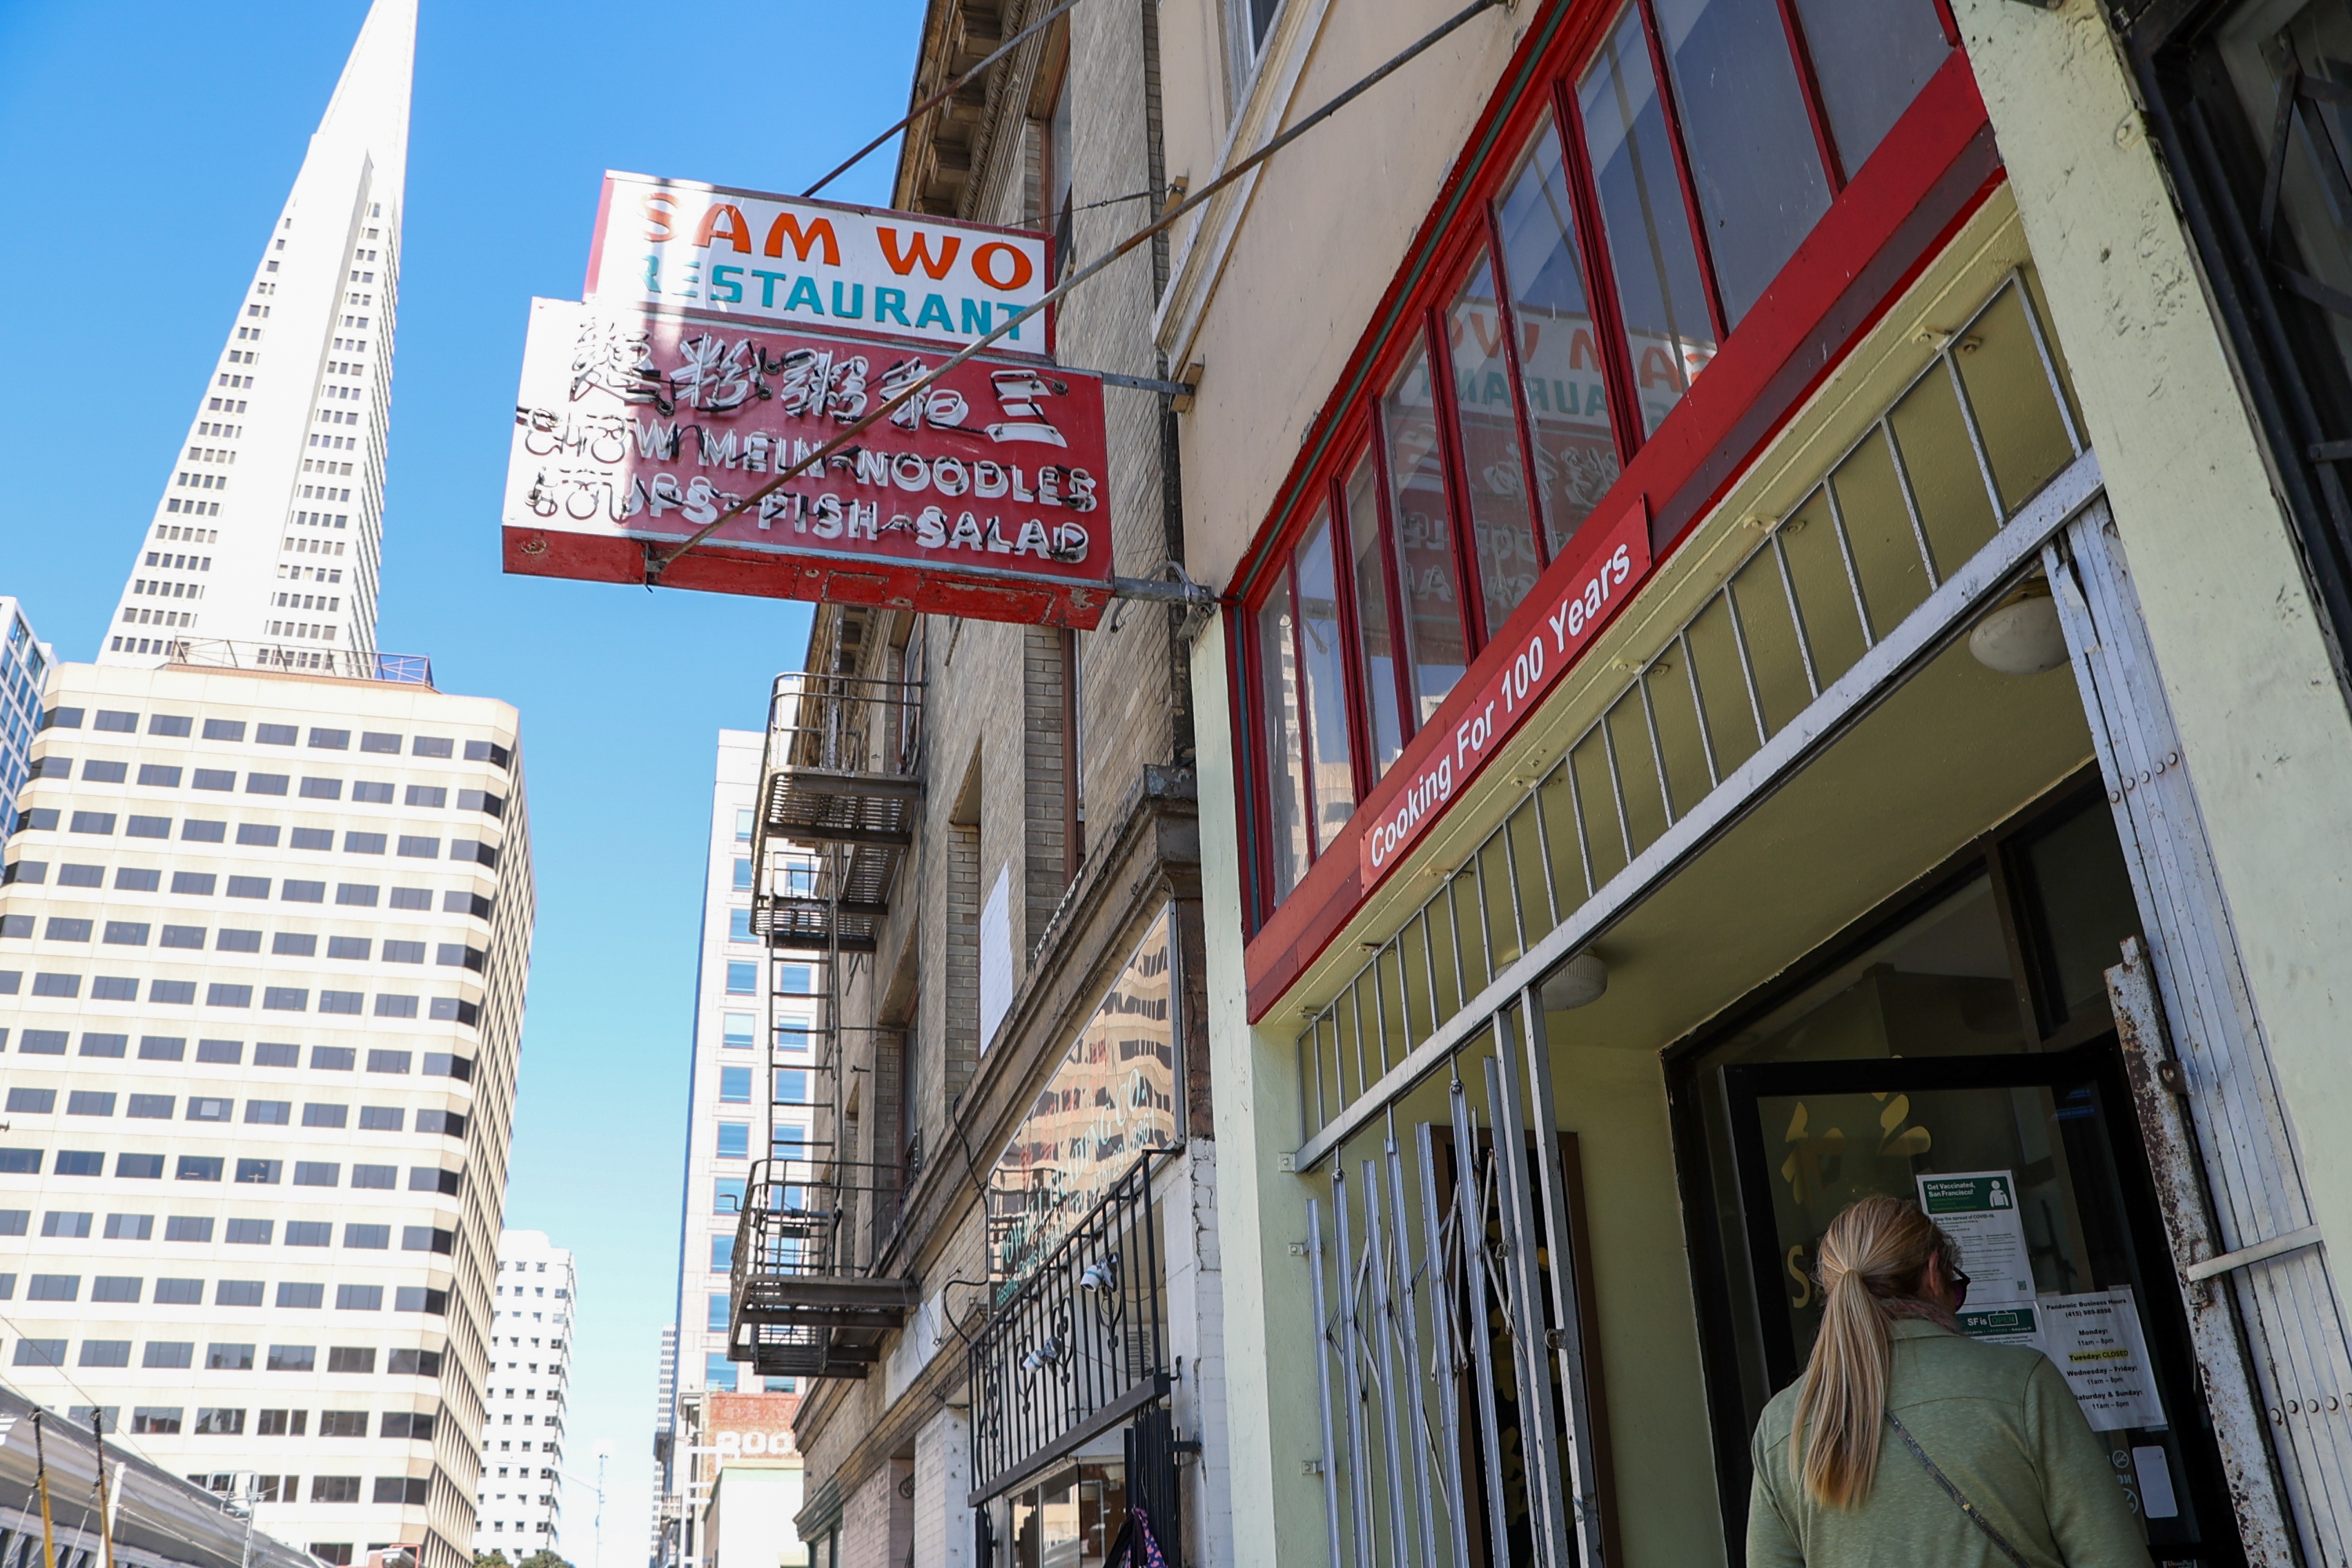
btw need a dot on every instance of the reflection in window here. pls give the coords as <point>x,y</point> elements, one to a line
<point>2080,894</point>
<point>1286,778</point>
<point>1871,58</point>
<point>1383,718</point>
<point>1559,361</point>
<point>1427,585</point>
<point>1667,333</point>
<point>1322,676</point>
<point>1493,469</point>
<point>1753,156</point>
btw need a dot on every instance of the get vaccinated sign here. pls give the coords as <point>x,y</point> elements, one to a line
<point>672,245</point>
<point>1412,798</point>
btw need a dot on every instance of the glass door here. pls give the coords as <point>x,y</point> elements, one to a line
<point>2032,1163</point>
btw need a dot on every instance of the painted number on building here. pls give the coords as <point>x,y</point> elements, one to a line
<point>1590,599</point>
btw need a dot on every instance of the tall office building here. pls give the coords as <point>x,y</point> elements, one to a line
<point>519,1502</point>
<point>265,923</point>
<point>263,942</point>
<point>742,1004</point>
<point>24,661</point>
<point>270,529</point>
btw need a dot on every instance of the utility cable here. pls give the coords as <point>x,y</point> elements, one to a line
<point>657,561</point>
<point>1003,49</point>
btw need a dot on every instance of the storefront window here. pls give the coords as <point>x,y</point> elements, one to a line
<point>1669,335</point>
<point>1559,359</point>
<point>2080,897</point>
<point>1428,585</point>
<point>1323,682</point>
<point>1754,160</point>
<point>1376,648</point>
<point>1870,59</point>
<point>1278,702</point>
<point>1494,468</point>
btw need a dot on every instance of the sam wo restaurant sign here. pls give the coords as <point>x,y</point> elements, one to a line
<point>771,259</point>
<point>982,496</point>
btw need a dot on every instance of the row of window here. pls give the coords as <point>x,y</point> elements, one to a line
<point>220,994</point>
<point>164,1421</point>
<point>125,1290</point>
<point>213,830</point>
<point>150,1167</point>
<point>26,1100</point>
<point>297,944</point>
<point>175,1355</point>
<point>231,1053</point>
<point>165,775</point>
<point>1667,176</point>
<point>113,720</point>
<point>72,1224</point>
<point>197,884</point>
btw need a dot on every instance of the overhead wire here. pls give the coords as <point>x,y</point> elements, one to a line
<point>659,561</point>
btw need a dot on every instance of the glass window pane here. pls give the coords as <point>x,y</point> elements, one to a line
<point>1758,171</point>
<point>1285,780</point>
<point>1560,362</point>
<point>1322,674</point>
<point>1871,59</point>
<point>2079,895</point>
<point>1493,466</point>
<point>1430,590</point>
<point>1667,333</point>
<point>1382,718</point>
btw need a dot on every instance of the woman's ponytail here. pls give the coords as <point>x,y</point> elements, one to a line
<point>1876,1252</point>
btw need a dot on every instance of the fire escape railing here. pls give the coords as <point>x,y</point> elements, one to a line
<point>1078,1347</point>
<point>839,786</point>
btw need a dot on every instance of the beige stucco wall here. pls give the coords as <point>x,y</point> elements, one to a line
<point>1273,310</point>
<point>2262,722</point>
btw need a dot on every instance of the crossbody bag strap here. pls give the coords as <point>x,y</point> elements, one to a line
<point>1975,1516</point>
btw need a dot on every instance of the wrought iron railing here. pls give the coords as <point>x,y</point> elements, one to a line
<point>348,664</point>
<point>845,723</point>
<point>1078,1347</point>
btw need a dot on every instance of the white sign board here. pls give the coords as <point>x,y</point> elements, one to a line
<point>673,245</point>
<point>2095,1339</point>
<point>1978,1210</point>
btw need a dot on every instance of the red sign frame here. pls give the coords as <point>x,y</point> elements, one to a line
<point>984,496</point>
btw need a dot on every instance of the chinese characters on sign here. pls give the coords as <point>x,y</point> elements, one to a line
<point>778,260</point>
<point>979,497</point>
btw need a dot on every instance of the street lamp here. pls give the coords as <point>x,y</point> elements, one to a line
<point>597,1488</point>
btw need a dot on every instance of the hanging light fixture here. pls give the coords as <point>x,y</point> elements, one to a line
<point>2022,636</point>
<point>1576,983</point>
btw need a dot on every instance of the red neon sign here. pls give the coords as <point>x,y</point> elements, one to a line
<point>982,496</point>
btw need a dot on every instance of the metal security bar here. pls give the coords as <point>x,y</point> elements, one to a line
<point>1935,507</point>
<point>1078,1349</point>
<point>1451,1346</point>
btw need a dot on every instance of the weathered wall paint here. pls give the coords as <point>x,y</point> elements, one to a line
<point>2263,723</point>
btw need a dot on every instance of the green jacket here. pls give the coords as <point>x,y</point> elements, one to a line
<point>2000,1423</point>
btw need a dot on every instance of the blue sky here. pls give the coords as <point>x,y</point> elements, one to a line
<point>147,147</point>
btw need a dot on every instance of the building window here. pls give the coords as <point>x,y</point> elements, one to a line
<point>735,1086</point>
<point>739,1031</point>
<point>744,978</point>
<point>734,1140</point>
<point>718,1373</point>
<point>726,1196</point>
<point>743,874</point>
<point>1603,259</point>
<point>722,1254</point>
<point>739,926</point>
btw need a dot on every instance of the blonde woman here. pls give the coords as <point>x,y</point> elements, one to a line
<point>1908,1444</point>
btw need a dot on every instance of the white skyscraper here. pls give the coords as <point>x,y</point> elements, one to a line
<point>520,1500</point>
<point>266,912</point>
<point>270,529</point>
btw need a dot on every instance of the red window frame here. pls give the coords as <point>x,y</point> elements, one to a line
<point>1542,83</point>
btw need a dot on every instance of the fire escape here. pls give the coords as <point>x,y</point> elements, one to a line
<point>838,791</point>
